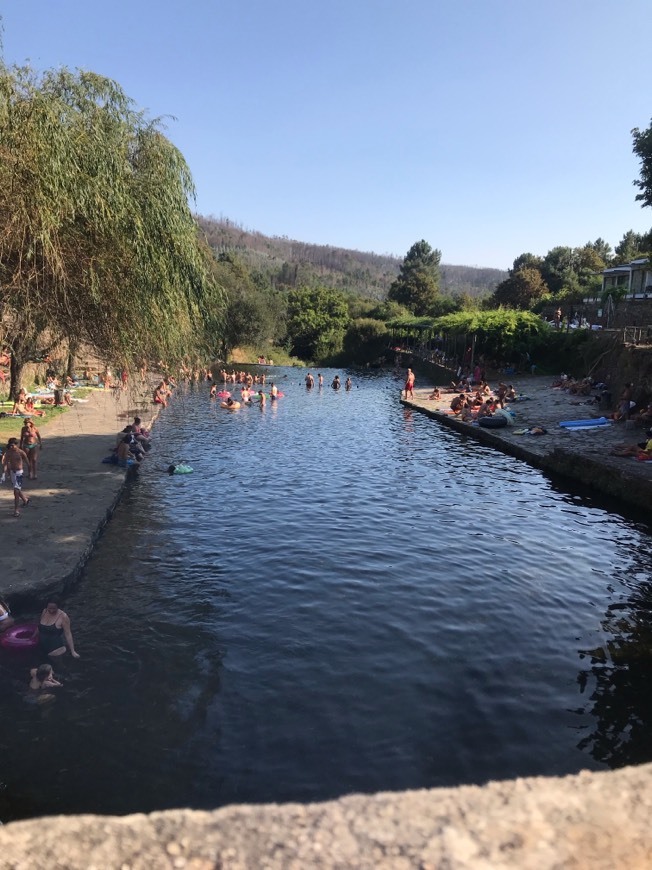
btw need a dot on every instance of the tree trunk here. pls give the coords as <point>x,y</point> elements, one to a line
<point>16,366</point>
<point>72,353</point>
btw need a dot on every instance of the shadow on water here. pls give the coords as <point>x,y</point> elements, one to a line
<point>618,681</point>
<point>343,597</point>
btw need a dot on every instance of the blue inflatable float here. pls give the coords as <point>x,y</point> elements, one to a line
<point>585,424</point>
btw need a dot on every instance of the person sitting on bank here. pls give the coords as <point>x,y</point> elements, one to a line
<point>467,414</point>
<point>31,409</point>
<point>161,395</point>
<point>20,405</point>
<point>642,447</point>
<point>458,403</point>
<point>487,409</point>
<point>139,429</point>
<point>436,393</point>
<point>128,452</point>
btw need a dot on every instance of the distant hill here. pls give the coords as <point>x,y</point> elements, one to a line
<point>288,263</point>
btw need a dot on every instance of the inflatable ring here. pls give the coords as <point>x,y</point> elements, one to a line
<point>224,394</point>
<point>20,636</point>
<point>180,469</point>
<point>492,422</point>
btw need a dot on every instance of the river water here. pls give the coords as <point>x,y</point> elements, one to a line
<point>344,597</point>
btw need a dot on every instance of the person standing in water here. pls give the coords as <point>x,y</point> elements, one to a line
<point>336,383</point>
<point>54,630</point>
<point>320,379</point>
<point>348,384</point>
<point>310,381</point>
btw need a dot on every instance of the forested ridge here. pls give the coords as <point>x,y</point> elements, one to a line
<point>289,263</point>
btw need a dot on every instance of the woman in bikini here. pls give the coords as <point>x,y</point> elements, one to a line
<point>30,442</point>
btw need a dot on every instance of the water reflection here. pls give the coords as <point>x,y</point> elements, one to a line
<point>619,679</point>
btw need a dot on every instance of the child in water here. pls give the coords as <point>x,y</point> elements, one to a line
<point>43,678</point>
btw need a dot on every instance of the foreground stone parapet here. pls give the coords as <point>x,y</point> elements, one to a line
<point>592,820</point>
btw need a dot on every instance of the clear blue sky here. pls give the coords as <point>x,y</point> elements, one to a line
<point>487,127</point>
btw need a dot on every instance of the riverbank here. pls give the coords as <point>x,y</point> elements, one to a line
<point>46,547</point>
<point>580,454</point>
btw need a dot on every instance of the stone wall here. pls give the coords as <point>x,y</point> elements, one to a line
<point>592,820</point>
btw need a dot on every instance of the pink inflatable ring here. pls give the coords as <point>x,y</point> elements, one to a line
<point>20,636</point>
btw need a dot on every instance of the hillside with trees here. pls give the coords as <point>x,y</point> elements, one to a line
<point>286,264</point>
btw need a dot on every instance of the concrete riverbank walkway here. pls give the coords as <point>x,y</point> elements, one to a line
<point>580,454</point>
<point>74,495</point>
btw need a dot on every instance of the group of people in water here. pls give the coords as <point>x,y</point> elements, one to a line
<point>336,383</point>
<point>52,637</point>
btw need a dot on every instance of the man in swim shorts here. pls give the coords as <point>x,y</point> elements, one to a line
<point>12,461</point>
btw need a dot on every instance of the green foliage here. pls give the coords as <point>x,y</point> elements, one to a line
<point>501,334</point>
<point>526,261</point>
<point>629,248</point>
<point>365,340</point>
<point>557,268</point>
<point>521,290</point>
<point>389,310</point>
<point>643,150</point>
<point>417,284</point>
<point>617,295</point>
<point>253,316</point>
<point>98,243</point>
<point>317,320</point>
<point>602,249</point>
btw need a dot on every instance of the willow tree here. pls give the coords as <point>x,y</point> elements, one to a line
<point>97,240</point>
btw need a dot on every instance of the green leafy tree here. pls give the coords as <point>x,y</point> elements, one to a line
<point>520,290</point>
<point>417,284</point>
<point>643,150</point>
<point>602,249</point>
<point>317,320</point>
<point>526,261</point>
<point>98,243</point>
<point>629,248</point>
<point>558,268</point>
<point>365,340</point>
<point>248,318</point>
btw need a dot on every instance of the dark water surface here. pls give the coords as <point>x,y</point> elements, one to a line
<point>343,597</point>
